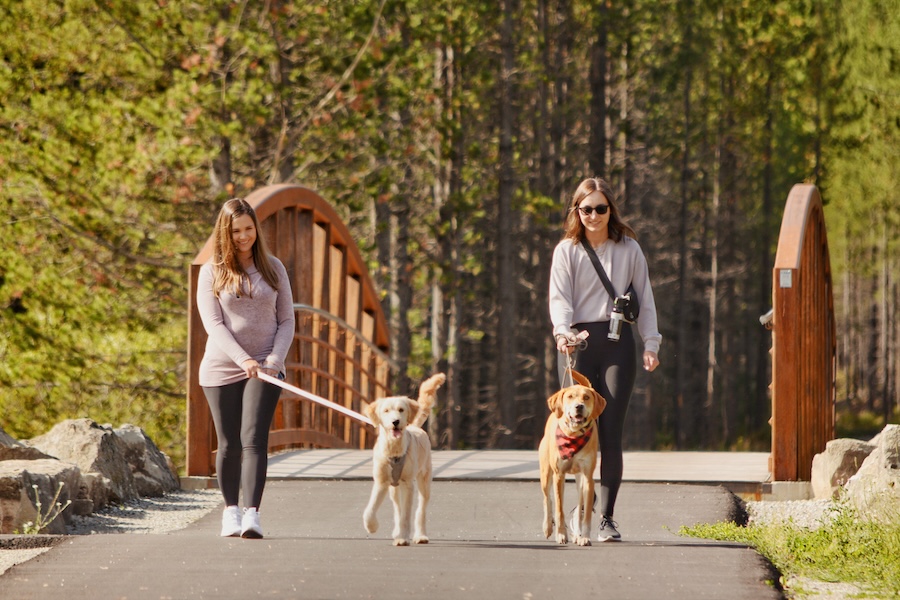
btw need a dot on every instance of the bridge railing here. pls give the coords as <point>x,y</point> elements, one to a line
<point>340,340</point>
<point>335,360</point>
<point>803,339</point>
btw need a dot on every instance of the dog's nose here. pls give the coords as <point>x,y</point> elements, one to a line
<point>579,408</point>
<point>397,423</point>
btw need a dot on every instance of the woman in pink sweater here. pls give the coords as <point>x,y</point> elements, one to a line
<point>245,302</point>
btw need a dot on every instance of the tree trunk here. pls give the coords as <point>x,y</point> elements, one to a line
<point>507,325</point>
<point>763,347</point>
<point>682,346</point>
<point>597,156</point>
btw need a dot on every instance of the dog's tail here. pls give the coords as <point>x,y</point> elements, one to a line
<point>427,397</point>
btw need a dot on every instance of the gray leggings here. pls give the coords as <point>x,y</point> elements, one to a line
<point>611,368</point>
<point>242,413</point>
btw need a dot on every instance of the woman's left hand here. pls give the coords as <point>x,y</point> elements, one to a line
<point>651,360</point>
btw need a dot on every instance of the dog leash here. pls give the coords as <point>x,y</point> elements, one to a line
<point>318,399</point>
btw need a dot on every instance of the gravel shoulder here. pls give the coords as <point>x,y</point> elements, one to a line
<point>171,512</point>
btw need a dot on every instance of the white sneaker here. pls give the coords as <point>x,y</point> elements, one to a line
<point>231,522</point>
<point>250,527</point>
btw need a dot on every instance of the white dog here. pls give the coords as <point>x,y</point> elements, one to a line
<point>402,460</point>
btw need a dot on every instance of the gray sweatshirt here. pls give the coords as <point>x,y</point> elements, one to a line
<point>244,327</point>
<point>577,294</point>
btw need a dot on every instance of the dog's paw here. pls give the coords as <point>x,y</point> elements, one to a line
<point>371,522</point>
<point>421,539</point>
<point>582,541</point>
<point>401,542</point>
<point>548,527</point>
<point>562,539</point>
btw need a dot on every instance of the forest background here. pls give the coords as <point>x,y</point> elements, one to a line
<point>449,135</point>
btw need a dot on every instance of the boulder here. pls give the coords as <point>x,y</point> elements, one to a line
<point>95,449</point>
<point>6,440</point>
<point>13,449</point>
<point>23,482</point>
<point>153,475</point>
<point>875,489</point>
<point>834,467</point>
<point>21,452</point>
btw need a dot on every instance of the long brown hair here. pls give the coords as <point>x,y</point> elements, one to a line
<point>228,272</point>
<point>574,228</point>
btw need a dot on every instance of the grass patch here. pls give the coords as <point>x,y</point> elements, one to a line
<point>844,548</point>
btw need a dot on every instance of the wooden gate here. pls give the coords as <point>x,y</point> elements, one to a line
<point>803,339</point>
<point>341,338</point>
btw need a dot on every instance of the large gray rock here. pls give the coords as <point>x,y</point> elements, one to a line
<point>21,453</point>
<point>13,449</point>
<point>875,489</point>
<point>153,475</point>
<point>94,449</point>
<point>18,494</point>
<point>6,440</point>
<point>834,467</point>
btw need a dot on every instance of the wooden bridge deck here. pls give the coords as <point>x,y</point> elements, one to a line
<point>744,473</point>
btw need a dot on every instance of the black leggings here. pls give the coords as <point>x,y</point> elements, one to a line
<point>611,368</point>
<point>242,413</point>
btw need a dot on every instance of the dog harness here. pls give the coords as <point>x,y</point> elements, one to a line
<point>569,446</point>
<point>397,463</point>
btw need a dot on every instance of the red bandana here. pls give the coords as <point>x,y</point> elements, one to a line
<point>568,446</point>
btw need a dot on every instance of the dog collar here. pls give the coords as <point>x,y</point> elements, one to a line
<point>569,446</point>
<point>397,463</point>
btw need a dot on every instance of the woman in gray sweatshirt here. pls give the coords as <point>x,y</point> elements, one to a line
<point>245,302</point>
<point>580,302</point>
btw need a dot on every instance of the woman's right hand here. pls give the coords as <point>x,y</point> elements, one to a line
<point>566,343</point>
<point>250,367</point>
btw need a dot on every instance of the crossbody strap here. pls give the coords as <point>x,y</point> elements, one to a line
<point>599,268</point>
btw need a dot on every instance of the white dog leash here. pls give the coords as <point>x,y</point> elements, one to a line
<point>318,399</point>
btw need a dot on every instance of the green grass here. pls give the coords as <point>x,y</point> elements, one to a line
<point>844,549</point>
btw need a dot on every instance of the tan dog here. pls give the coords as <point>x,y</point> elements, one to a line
<point>569,445</point>
<point>402,460</point>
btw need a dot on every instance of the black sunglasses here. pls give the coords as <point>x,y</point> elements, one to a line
<point>601,209</point>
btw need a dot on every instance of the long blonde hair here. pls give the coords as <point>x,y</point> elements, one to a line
<point>227,269</point>
<point>574,228</point>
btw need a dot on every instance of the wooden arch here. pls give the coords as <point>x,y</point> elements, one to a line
<point>341,338</point>
<point>803,339</point>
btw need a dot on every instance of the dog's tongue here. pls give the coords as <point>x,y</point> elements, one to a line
<point>396,433</point>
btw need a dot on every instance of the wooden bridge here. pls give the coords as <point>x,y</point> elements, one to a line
<point>341,341</point>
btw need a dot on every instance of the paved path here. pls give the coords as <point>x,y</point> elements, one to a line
<point>727,468</point>
<point>486,543</point>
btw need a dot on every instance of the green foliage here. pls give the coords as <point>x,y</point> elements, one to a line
<point>115,118</point>
<point>844,548</point>
<point>862,424</point>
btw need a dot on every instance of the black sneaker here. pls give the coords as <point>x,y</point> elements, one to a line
<point>608,531</point>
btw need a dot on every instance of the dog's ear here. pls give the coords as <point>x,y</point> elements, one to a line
<point>581,379</point>
<point>371,411</point>
<point>599,404</point>
<point>413,408</point>
<point>554,402</point>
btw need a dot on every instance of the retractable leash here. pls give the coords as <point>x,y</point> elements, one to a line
<point>318,399</point>
<point>579,342</point>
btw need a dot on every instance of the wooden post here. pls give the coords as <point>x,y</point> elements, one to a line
<point>803,339</point>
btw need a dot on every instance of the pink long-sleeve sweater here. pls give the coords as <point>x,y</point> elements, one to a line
<point>258,325</point>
